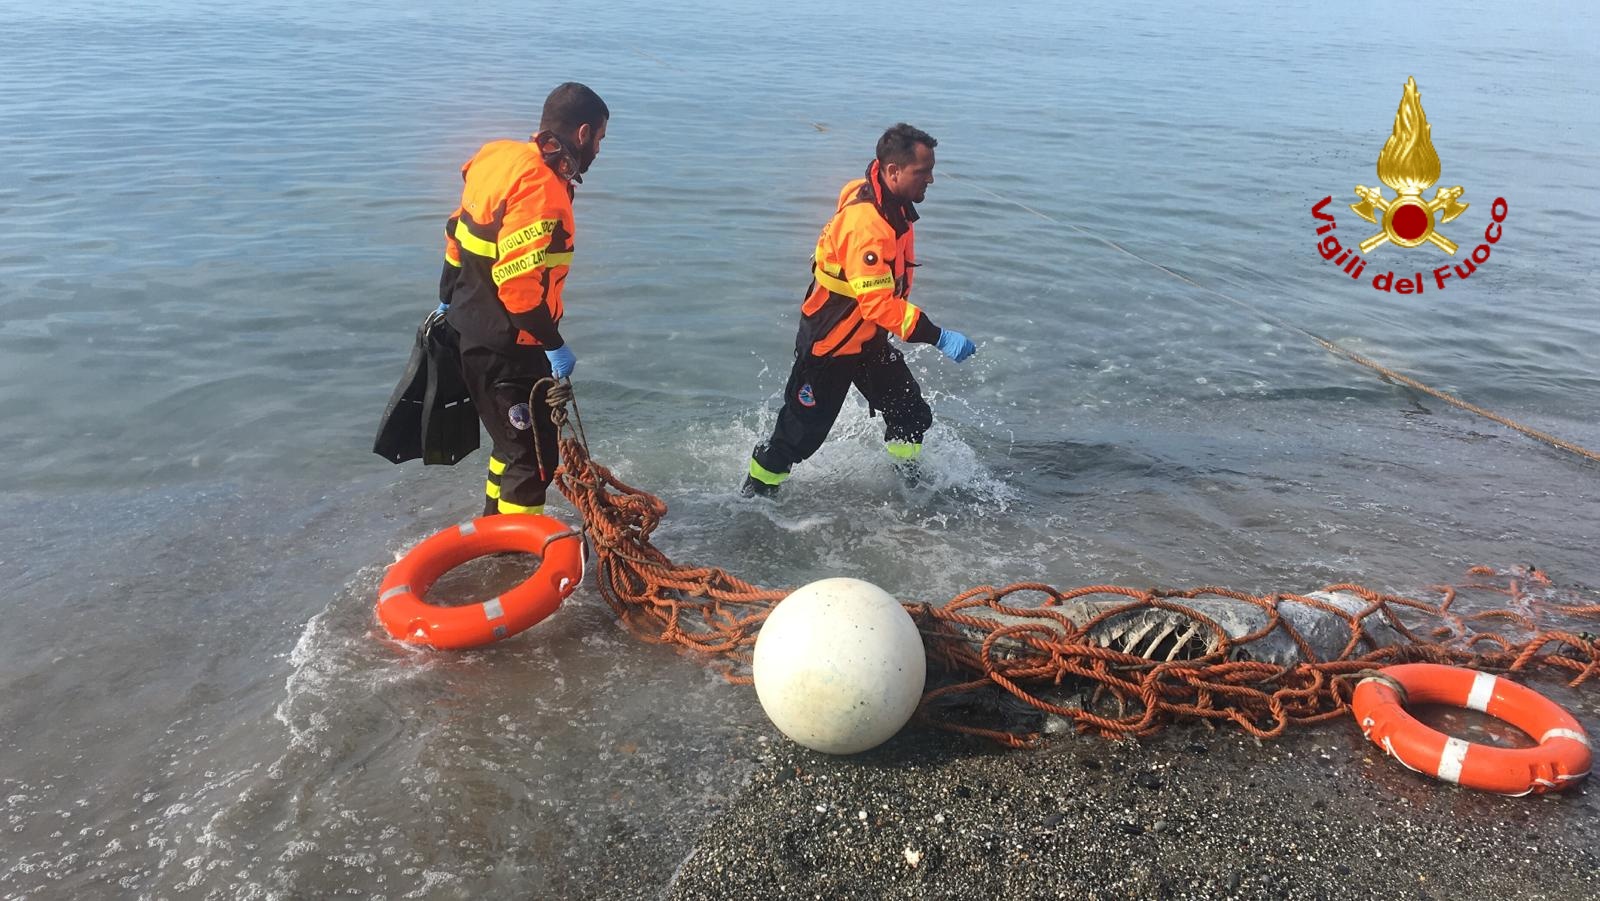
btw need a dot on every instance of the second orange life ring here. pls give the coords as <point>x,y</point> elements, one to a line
<point>408,617</point>
<point>1560,760</point>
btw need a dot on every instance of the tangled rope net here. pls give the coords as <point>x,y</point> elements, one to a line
<point>984,640</point>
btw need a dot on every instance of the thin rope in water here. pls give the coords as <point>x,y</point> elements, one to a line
<point>1350,355</point>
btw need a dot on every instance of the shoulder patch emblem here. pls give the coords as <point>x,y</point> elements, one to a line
<point>871,259</point>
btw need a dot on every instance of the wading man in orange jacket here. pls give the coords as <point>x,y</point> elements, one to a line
<point>507,250</point>
<point>860,294</point>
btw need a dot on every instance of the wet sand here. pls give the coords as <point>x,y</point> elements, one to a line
<point>1191,813</point>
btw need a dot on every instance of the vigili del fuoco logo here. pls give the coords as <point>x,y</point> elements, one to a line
<point>1409,166</point>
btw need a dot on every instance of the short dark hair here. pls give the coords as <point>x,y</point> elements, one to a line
<point>570,105</point>
<point>899,144</point>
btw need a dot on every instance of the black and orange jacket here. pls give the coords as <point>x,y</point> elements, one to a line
<point>861,275</point>
<point>507,249</point>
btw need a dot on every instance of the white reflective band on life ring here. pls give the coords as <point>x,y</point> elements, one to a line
<point>1455,754</point>
<point>1482,692</point>
<point>1565,733</point>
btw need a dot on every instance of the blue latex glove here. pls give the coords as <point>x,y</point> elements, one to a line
<point>562,361</point>
<point>434,318</point>
<point>955,345</point>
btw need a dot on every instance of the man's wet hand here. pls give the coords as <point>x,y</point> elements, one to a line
<point>562,361</point>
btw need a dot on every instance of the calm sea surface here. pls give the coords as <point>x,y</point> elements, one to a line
<point>220,224</point>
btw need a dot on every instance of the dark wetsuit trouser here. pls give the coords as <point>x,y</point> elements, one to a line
<point>499,384</point>
<point>816,391</point>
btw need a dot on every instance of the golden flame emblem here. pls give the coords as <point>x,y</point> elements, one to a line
<point>1409,165</point>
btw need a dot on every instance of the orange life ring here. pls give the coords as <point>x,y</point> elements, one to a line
<point>1561,758</point>
<point>409,618</point>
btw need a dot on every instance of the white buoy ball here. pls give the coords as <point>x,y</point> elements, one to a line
<point>839,666</point>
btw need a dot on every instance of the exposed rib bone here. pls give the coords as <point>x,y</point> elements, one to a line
<point>1325,633</point>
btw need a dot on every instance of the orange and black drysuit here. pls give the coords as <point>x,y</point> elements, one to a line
<point>859,294</point>
<point>507,250</point>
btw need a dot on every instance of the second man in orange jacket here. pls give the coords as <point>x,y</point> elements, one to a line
<point>859,294</point>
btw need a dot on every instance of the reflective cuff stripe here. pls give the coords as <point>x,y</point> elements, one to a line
<point>455,263</point>
<point>474,244</point>
<point>522,236</point>
<point>497,468</point>
<point>508,507</point>
<point>831,282</point>
<point>861,286</point>
<point>910,320</point>
<point>903,450</point>
<point>533,259</point>
<point>765,476</point>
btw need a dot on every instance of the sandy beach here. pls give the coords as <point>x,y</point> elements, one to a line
<point>1192,813</point>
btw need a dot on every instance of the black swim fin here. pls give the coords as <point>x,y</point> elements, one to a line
<point>430,414</point>
<point>449,418</point>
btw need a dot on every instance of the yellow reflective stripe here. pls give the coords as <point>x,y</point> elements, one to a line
<point>455,263</point>
<point>903,450</point>
<point>765,476</point>
<point>871,283</point>
<point>491,489</point>
<point>497,465</point>
<point>832,282</point>
<point>506,506</point>
<point>909,320</point>
<point>533,259</point>
<point>475,244</point>
<point>508,271</point>
<point>522,236</point>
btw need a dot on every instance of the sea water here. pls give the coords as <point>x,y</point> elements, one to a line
<point>220,224</point>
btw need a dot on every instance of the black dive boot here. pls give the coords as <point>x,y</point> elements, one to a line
<point>753,486</point>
